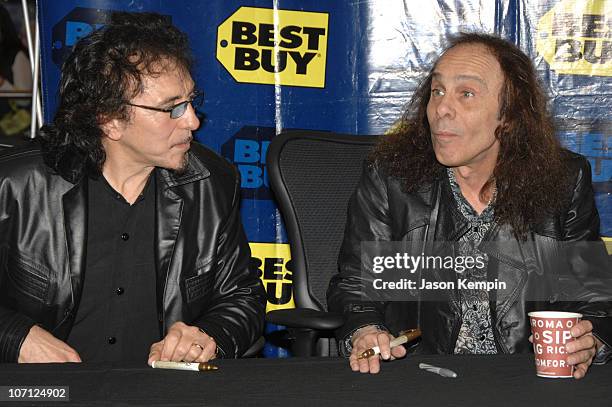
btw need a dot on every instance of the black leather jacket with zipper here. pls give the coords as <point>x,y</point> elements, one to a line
<point>380,211</point>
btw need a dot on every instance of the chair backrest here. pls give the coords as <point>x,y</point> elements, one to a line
<point>313,174</point>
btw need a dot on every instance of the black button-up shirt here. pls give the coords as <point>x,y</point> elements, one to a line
<point>117,316</point>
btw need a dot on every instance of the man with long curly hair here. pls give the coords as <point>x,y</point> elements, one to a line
<point>120,238</point>
<point>474,161</point>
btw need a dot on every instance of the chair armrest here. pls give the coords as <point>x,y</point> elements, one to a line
<point>255,348</point>
<point>306,318</point>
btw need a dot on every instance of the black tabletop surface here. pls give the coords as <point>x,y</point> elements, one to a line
<point>502,380</point>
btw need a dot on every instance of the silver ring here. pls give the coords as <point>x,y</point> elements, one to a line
<point>198,345</point>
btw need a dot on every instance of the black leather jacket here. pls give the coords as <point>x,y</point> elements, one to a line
<point>380,211</point>
<point>201,253</point>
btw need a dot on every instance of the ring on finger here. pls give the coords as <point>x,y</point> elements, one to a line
<point>198,345</point>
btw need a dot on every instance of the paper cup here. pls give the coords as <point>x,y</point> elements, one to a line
<point>551,331</point>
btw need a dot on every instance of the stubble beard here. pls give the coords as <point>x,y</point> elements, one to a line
<point>180,169</point>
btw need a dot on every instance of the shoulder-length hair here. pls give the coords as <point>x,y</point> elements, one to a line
<point>102,74</point>
<point>530,175</point>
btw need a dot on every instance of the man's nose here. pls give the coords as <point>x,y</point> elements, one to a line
<point>445,107</point>
<point>190,119</point>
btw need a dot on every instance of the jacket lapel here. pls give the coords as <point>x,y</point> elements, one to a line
<point>169,206</point>
<point>169,213</point>
<point>450,225</point>
<point>74,203</point>
<point>443,224</point>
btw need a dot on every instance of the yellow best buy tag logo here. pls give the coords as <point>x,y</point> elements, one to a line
<point>273,264</point>
<point>575,37</point>
<point>276,47</point>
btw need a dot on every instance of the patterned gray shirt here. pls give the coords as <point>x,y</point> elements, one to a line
<point>476,333</point>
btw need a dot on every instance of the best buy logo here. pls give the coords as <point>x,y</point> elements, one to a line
<point>575,37</point>
<point>276,47</point>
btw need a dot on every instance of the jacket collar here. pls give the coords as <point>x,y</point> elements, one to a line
<point>447,224</point>
<point>450,224</point>
<point>195,171</point>
<point>75,171</point>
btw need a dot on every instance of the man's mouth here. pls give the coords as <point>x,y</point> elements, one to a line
<point>185,141</point>
<point>445,134</point>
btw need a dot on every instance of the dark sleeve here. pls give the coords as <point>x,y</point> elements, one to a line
<point>367,220</point>
<point>14,326</point>
<point>588,258</point>
<point>235,315</point>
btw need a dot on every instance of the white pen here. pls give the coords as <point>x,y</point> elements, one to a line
<point>438,370</point>
<point>198,367</point>
<point>405,336</point>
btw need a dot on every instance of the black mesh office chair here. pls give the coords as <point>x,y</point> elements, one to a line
<point>313,175</point>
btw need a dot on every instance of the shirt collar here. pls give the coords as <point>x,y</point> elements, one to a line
<point>464,206</point>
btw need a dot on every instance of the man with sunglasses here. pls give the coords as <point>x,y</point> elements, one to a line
<point>120,238</point>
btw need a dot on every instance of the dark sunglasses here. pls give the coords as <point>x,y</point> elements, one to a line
<point>179,109</point>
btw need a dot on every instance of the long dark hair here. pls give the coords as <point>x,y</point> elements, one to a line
<point>104,71</point>
<point>530,174</point>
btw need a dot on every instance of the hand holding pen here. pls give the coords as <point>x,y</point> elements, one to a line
<point>370,339</point>
<point>404,336</point>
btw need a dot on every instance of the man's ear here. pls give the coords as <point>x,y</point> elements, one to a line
<point>112,128</point>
